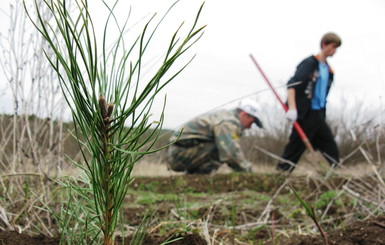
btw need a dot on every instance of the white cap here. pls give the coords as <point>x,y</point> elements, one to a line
<point>251,107</point>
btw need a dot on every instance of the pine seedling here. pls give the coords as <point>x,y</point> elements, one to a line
<point>110,106</point>
<point>311,213</point>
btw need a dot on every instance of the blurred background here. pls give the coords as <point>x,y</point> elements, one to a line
<point>278,33</point>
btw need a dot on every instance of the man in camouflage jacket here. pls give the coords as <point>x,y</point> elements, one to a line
<point>211,140</point>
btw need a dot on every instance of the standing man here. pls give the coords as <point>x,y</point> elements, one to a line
<point>307,104</point>
<point>213,139</point>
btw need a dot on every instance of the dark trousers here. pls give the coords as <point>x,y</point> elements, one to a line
<point>320,136</point>
<point>194,159</point>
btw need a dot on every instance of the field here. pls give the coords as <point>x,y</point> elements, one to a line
<point>222,208</point>
<point>234,208</point>
<point>55,189</point>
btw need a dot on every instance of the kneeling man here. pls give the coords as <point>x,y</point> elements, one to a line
<point>213,139</point>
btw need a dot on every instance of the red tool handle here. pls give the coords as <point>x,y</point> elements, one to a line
<point>297,127</point>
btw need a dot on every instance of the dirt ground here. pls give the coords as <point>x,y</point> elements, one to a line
<point>369,231</point>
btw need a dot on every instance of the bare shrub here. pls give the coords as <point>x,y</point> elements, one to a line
<point>32,137</point>
<point>358,128</point>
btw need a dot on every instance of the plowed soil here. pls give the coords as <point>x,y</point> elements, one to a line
<point>370,231</point>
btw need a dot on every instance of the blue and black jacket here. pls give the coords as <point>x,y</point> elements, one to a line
<point>307,74</point>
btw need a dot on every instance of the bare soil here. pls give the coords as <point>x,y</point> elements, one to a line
<point>370,231</point>
<point>13,238</point>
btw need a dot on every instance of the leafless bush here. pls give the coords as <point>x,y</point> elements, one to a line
<point>357,127</point>
<point>32,137</point>
<point>35,91</point>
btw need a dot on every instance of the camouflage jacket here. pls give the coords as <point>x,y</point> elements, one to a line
<point>224,129</point>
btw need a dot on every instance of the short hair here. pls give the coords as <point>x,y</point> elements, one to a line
<point>331,37</point>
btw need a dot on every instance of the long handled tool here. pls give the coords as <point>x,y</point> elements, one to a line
<point>297,127</point>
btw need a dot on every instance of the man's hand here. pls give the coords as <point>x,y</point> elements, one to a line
<point>292,115</point>
<point>246,166</point>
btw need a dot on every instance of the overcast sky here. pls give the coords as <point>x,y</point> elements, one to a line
<point>279,33</point>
